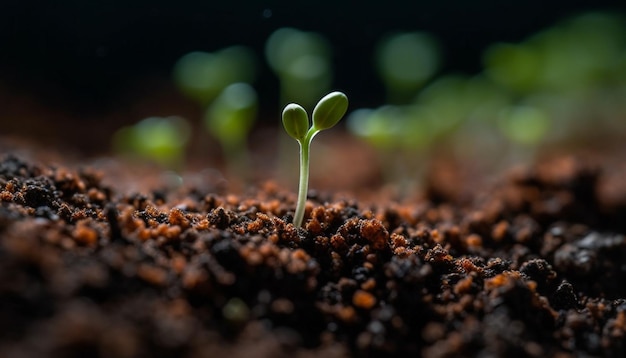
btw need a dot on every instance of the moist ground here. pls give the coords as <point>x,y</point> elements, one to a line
<point>532,266</point>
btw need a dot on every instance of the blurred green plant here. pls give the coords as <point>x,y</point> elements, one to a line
<point>405,62</point>
<point>384,128</point>
<point>562,77</point>
<point>161,140</point>
<point>302,62</point>
<point>524,124</point>
<point>219,82</point>
<point>575,54</point>
<point>202,76</point>
<point>326,114</point>
<point>406,136</point>
<point>230,119</point>
<point>573,70</point>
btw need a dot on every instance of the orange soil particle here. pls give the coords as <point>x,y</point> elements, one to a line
<point>144,234</point>
<point>322,218</point>
<point>6,195</point>
<point>398,240</point>
<point>268,250</point>
<point>177,217</point>
<point>178,264</point>
<point>432,215</point>
<point>10,187</point>
<point>300,254</point>
<point>452,233</point>
<point>363,299</point>
<point>203,224</point>
<point>166,231</point>
<point>439,254</point>
<point>173,232</point>
<point>96,195</point>
<point>70,181</point>
<point>369,285</point>
<point>314,226</point>
<point>152,274</point>
<point>272,206</point>
<point>499,231</point>
<point>252,257</point>
<point>474,241</point>
<point>79,215</point>
<point>523,235</point>
<point>496,281</point>
<point>261,222</point>
<point>436,236</point>
<point>375,233</point>
<point>504,279</point>
<point>338,243</point>
<point>403,252</point>
<point>346,314</point>
<point>464,285</point>
<point>85,235</point>
<point>193,278</point>
<point>469,266</point>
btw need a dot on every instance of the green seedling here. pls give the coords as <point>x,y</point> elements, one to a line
<point>561,77</point>
<point>524,124</point>
<point>573,55</point>
<point>384,129</point>
<point>326,114</point>
<point>230,118</point>
<point>202,76</point>
<point>302,62</point>
<point>157,139</point>
<point>405,136</point>
<point>405,62</point>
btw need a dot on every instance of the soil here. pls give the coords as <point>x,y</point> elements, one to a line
<point>532,266</point>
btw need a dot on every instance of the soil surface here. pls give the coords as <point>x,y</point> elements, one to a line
<point>535,266</point>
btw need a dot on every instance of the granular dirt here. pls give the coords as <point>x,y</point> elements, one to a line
<point>533,267</point>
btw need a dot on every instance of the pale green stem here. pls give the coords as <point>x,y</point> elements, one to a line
<point>303,186</point>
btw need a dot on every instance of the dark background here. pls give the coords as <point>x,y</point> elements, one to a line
<point>91,57</point>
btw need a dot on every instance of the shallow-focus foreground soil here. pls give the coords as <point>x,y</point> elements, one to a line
<point>535,266</point>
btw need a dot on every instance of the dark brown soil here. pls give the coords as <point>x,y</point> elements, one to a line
<point>535,266</point>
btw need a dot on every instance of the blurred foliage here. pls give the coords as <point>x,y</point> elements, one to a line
<point>220,83</point>
<point>202,75</point>
<point>524,124</point>
<point>575,54</point>
<point>229,119</point>
<point>161,140</point>
<point>302,62</point>
<point>405,61</point>
<point>231,116</point>
<point>566,81</point>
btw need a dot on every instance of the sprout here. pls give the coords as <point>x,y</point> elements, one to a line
<point>230,118</point>
<point>302,62</point>
<point>524,124</point>
<point>201,76</point>
<point>326,114</point>
<point>575,54</point>
<point>399,134</point>
<point>405,62</point>
<point>161,140</point>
